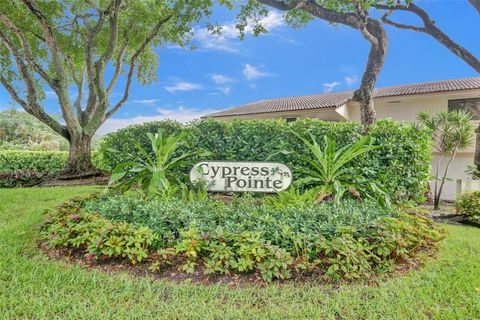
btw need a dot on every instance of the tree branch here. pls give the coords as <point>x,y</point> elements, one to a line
<point>362,26</point>
<point>26,48</point>
<point>118,68</point>
<point>431,29</point>
<point>133,61</point>
<point>31,106</point>
<point>100,66</point>
<point>475,4</point>
<point>281,5</point>
<point>57,57</point>
<point>92,101</point>
<point>400,25</point>
<point>113,37</point>
<point>80,83</point>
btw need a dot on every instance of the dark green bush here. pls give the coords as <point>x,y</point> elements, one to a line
<point>402,165</point>
<point>283,227</point>
<point>39,161</point>
<point>339,242</point>
<point>468,204</point>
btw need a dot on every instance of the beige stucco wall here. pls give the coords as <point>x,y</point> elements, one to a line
<point>328,114</point>
<point>403,108</point>
<point>406,109</point>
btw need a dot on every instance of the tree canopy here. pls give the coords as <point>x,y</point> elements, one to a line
<point>64,45</point>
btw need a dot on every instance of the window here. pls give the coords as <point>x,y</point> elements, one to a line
<point>471,105</point>
<point>291,119</point>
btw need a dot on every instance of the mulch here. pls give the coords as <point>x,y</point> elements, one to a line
<point>85,181</point>
<point>234,280</point>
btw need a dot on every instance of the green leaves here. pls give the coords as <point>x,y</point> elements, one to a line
<point>332,177</point>
<point>450,130</point>
<point>338,242</point>
<point>402,165</point>
<point>67,227</point>
<point>468,204</point>
<point>154,174</point>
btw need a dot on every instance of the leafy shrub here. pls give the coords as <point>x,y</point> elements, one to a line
<point>344,241</point>
<point>330,176</point>
<point>21,178</point>
<point>22,131</point>
<point>402,165</point>
<point>39,161</point>
<point>119,147</point>
<point>283,227</point>
<point>67,226</point>
<point>468,204</point>
<point>473,172</point>
<point>155,174</point>
<point>291,198</point>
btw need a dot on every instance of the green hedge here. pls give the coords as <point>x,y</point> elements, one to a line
<point>468,204</point>
<point>39,161</point>
<point>402,165</point>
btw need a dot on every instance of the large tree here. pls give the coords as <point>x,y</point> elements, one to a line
<point>430,28</point>
<point>86,46</point>
<point>356,14</point>
<point>351,13</point>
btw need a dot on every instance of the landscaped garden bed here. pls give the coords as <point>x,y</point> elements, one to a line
<point>331,242</point>
<point>341,220</point>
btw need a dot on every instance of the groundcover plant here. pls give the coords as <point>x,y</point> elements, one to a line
<point>345,241</point>
<point>325,230</point>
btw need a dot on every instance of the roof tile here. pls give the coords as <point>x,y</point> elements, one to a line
<point>333,100</point>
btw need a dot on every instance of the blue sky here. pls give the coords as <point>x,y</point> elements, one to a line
<point>317,58</point>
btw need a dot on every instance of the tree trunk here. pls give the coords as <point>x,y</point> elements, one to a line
<point>368,114</point>
<point>376,35</point>
<point>79,163</point>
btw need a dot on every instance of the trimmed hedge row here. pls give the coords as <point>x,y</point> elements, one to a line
<point>39,161</point>
<point>402,165</point>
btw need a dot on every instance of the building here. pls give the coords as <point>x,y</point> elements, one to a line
<point>401,103</point>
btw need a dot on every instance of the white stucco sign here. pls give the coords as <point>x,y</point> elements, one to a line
<point>233,176</point>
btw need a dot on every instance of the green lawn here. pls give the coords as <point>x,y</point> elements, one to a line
<point>33,287</point>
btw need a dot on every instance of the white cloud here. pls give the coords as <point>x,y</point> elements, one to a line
<point>221,79</point>
<point>252,73</point>
<point>224,42</point>
<point>183,86</point>
<point>181,114</point>
<point>328,87</point>
<point>149,102</point>
<point>225,90</point>
<point>351,80</point>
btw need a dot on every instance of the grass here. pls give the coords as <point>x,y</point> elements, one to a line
<point>34,287</point>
